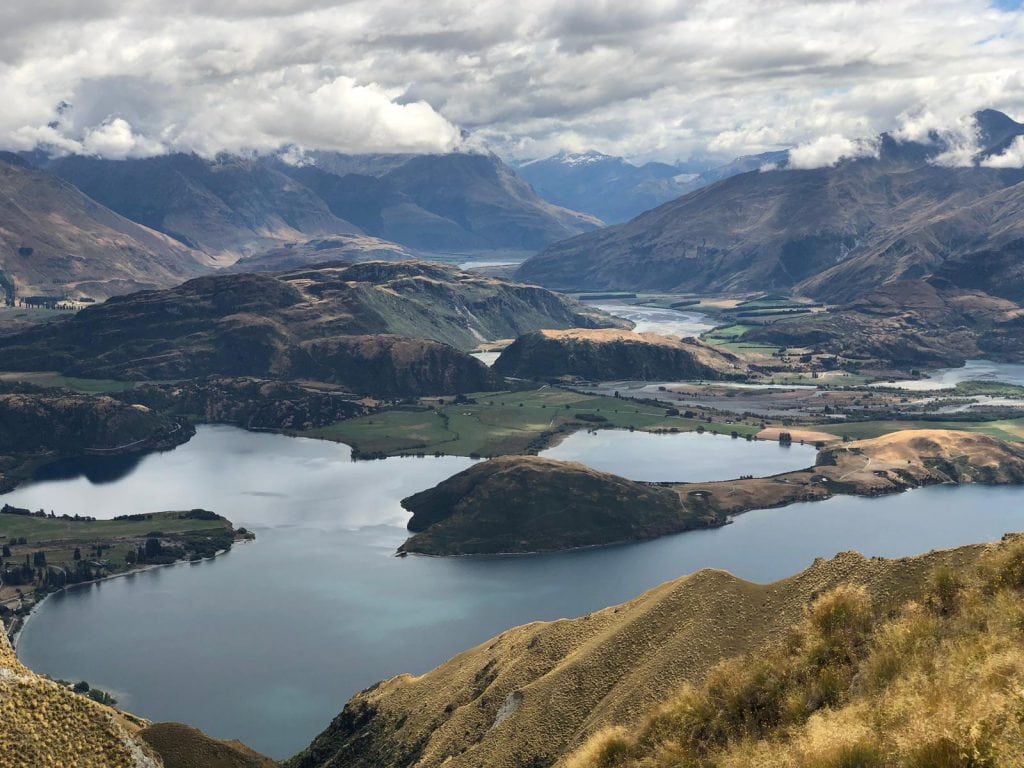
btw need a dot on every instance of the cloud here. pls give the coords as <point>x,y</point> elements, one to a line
<point>829,150</point>
<point>1011,157</point>
<point>115,139</point>
<point>657,79</point>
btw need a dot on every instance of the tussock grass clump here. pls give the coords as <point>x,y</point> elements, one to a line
<point>937,683</point>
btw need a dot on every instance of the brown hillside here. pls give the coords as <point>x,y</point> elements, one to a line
<point>535,693</point>
<point>54,241</point>
<point>608,354</point>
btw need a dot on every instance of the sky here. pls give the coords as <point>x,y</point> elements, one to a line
<point>646,79</point>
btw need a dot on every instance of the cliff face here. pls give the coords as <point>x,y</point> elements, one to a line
<point>609,355</point>
<point>529,504</point>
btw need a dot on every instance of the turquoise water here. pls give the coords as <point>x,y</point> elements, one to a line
<point>267,643</point>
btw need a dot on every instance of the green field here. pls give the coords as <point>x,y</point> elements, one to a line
<point>45,529</point>
<point>54,379</point>
<point>501,423</point>
<point>105,547</point>
<point>1011,430</point>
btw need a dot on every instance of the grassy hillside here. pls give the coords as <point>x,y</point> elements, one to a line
<point>608,355</point>
<point>538,693</point>
<point>43,723</point>
<point>937,682</point>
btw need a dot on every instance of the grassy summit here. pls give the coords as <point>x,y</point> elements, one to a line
<point>610,354</point>
<point>528,504</point>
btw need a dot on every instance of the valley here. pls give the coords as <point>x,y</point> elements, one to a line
<point>585,461</point>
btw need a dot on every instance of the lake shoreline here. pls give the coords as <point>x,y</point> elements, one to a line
<point>14,636</point>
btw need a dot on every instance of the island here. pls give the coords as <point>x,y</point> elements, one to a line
<point>522,504</point>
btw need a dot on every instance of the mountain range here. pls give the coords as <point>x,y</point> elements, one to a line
<point>832,233</point>
<point>615,190</point>
<point>232,206</point>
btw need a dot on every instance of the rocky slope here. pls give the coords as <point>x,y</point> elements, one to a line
<point>443,203</point>
<point>356,326</point>
<point>55,241</point>
<point>529,504</point>
<point>336,249</point>
<point>831,233</point>
<point>536,693</point>
<point>607,355</point>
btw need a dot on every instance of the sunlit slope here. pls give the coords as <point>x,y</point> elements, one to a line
<point>536,693</point>
<point>43,723</point>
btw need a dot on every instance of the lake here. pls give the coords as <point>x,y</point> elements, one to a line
<point>973,370</point>
<point>267,643</point>
<point>664,322</point>
<point>684,457</point>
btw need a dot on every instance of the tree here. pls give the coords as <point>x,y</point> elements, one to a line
<point>78,554</point>
<point>153,548</point>
<point>7,550</point>
<point>39,559</point>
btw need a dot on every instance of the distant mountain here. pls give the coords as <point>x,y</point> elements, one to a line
<point>442,203</point>
<point>228,207</point>
<point>615,190</point>
<point>232,207</point>
<point>832,232</point>
<point>56,241</point>
<point>379,328</point>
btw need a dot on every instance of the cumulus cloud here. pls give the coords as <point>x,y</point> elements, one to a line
<point>115,139</point>
<point>1012,157</point>
<point>654,79</point>
<point>829,150</point>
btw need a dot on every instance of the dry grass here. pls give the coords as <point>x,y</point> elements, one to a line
<point>939,683</point>
<point>574,678</point>
<point>45,724</point>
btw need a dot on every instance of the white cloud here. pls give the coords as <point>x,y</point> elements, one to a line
<point>1011,157</point>
<point>657,79</point>
<point>829,150</point>
<point>115,139</point>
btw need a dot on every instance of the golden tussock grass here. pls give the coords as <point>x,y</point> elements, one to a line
<point>934,683</point>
